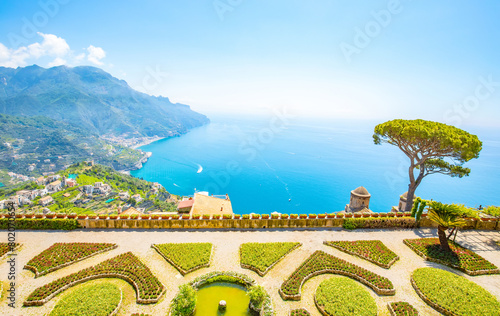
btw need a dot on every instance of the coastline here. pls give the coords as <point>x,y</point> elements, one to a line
<point>147,141</point>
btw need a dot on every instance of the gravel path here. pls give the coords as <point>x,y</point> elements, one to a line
<point>226,257</point>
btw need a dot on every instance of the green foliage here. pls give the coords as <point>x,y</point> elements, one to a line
<point>460,258</point>
<point>62,254</point>
<point>185,302</point>
<point>416,204</point>
<point>186,257</point>
<point>446,215</point>
<point>399,222</point>
<point>420,211</point>
<point>403,309</point>
<point>320,261</point>
<point>492,210</point>
<point>257,295</point>
<point>89,300</point>
<point>261,256</point>
<point>41,224</point>
<point>372,250</point>
<point>455,293</point>
<point>335,297</point>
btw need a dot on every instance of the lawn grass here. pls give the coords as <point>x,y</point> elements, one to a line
<point>186,257</point>
<point>89,300</point>
<point>372,250</point>
<point>341,296</point>
<point>451,294</point>
<point>460,258</point>
<point>261,257</point>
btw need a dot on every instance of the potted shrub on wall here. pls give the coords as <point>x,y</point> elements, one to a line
<point>284,216</point>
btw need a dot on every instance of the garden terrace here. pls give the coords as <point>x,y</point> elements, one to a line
<point>261,257</point>
<point>334,297</point>
<point>401,309</point>
<point>60,255</point>
<point>460,258</point>
<point>451,294</point>
<point>186,257</point>
<point>372,250</point>
<point>125,266</point>
<point>320,263</point>
<point>91,299</point>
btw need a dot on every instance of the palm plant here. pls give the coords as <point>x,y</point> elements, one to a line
<point>446,216</point>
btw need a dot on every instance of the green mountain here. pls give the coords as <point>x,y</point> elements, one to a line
<point>91,98</point>
<point>49,145</point>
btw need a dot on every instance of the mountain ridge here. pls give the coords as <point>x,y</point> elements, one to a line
<point>93,99</point>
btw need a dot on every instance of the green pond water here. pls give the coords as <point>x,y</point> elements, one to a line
<point>208,298</point>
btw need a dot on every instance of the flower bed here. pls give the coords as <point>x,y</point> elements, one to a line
<point>5,247</point>
<point>460,258</point>
<point>372,250</point>
<point>186,257</point>
<point>261,257</point>
<point>92,299</point>
<point>342,297</point>
<point>299,312</point>
<point>125,266</point>
<point>401,309</point>
<point>60,255</point>
<point>320,263</point>
<point>451,294</point>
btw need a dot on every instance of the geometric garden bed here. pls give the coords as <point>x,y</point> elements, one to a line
<point>60,255</point>
<point>125,266</point>
<point>459,258</point>
<point>321,263</point>
<point>372,250</point>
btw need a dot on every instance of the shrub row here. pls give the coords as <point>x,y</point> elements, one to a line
<point>41,224</point>
<point>125,266</point>
<point>186,257</point>
<point>460,258</point>
<point>261,257</point>
<point>451,294</point>
<point>372,250</point>
<point>60,255</point>
<point>403,222</point>
<point>319,263</point>
<point>401,309</point>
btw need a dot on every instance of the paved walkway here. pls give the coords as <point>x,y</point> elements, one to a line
<point>226,257</point>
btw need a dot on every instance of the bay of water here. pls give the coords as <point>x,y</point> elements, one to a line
<point>300,166</point>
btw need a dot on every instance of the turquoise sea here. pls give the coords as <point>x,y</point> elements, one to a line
<point>307,166</point>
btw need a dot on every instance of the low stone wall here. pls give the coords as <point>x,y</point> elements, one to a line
<point>246,223</point>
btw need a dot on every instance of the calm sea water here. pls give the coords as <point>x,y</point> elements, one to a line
<point>268,165</point>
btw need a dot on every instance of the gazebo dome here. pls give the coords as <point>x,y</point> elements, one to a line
<point>361,192</point>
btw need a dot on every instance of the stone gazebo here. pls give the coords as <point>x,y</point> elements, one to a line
<point>360,201</point>
<point>403,200</point>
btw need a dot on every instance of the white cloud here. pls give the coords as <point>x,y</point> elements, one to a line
<point>58,61</point>
<point>51,46</point>
<point>95,54</point>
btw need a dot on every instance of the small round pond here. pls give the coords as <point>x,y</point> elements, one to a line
<point>209,296</point>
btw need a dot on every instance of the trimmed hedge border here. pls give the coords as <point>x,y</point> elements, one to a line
<point>446,263</point>
<point>263,273</point>
<point>386,266</point>
<point>41,223</point>
<point>297,297</point>
<point>394,313</point>
<point>181,270</point>
<point>35,270</point>
<point>139,300</point>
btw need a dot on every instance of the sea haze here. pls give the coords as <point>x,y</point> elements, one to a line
<point>301,166</point>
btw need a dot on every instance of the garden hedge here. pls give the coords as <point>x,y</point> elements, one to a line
<point>41,224</point>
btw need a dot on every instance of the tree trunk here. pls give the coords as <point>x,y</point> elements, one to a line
<point>409,198</point>
<point>442,238</point>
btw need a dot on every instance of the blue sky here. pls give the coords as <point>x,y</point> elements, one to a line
<point>343,59</point>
